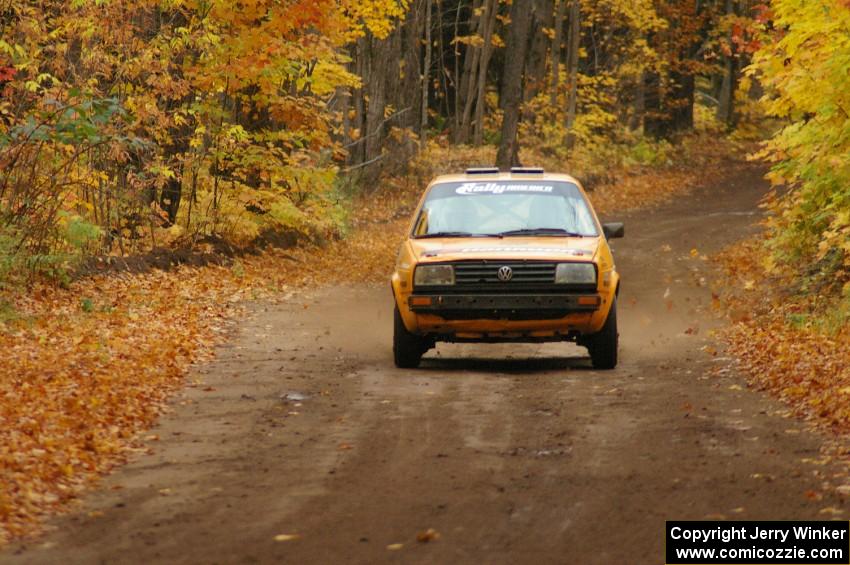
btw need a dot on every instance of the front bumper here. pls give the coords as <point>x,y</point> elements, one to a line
<point>503,306</point>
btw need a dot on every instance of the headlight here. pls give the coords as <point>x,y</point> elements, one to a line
<point>433,275</point>
<point>575,273</point>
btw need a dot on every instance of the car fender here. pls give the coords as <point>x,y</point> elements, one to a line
<point>401,283</point>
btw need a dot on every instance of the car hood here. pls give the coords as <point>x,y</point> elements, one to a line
<point>541,248</point>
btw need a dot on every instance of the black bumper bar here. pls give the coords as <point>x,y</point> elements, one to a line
<point>499,306</point>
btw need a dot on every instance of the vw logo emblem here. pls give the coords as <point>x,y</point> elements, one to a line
<point>505,273</point>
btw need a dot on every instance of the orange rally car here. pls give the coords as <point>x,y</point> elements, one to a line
<point>506,257</point>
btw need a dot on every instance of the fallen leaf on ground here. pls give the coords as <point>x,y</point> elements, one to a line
<point>428,535</point>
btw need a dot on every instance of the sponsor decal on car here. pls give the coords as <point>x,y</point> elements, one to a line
<point>497,188</point>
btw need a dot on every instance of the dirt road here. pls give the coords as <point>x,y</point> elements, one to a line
<point>513,453</point>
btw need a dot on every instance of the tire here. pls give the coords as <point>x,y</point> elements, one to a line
<point>408,348</point>
<point>603,345</point>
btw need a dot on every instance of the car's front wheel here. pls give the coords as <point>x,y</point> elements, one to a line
<point>603,345</point>
<point>408,348</point>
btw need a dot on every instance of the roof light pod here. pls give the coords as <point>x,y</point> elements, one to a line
<point>482,171</point>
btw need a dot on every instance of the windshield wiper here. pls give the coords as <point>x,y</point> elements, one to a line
<point>454,234</point>
<point>541,231</point>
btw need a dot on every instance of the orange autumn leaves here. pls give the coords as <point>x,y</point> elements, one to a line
<point>76,385</point>
<point>785,342</point>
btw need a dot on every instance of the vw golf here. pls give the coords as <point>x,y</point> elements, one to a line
<point>515,256</point>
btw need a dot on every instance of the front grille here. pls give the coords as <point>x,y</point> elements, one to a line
<point>529,277</point>
<point>485,272</point>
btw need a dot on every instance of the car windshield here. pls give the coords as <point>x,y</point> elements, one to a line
<point>505,208</point>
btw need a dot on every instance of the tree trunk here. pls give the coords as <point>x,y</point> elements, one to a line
<point>458,88</point>
<point>682,103</point>
<point>726,99</point>
<point>357,151</point>
<point>443,75</point>
<point>653,123</point>
<point>726,96</point>
<point>170,198</point>
<point>489,19</point>
<point>468,81</point>
<point>535,72</point>
<point>575,43</point>
<point>392,74</point>
<point>640,103</point>
<point>174,152</point>
<point>556,51</point>
<point>426,72</point>
<point>344,97</point>
<point>412,81</point>
<point>516,48</point>
<point>381,62</point>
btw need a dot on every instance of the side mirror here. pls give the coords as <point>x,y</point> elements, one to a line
<point>613,230</point>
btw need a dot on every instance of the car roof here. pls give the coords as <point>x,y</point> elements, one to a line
<point>504,176</point>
